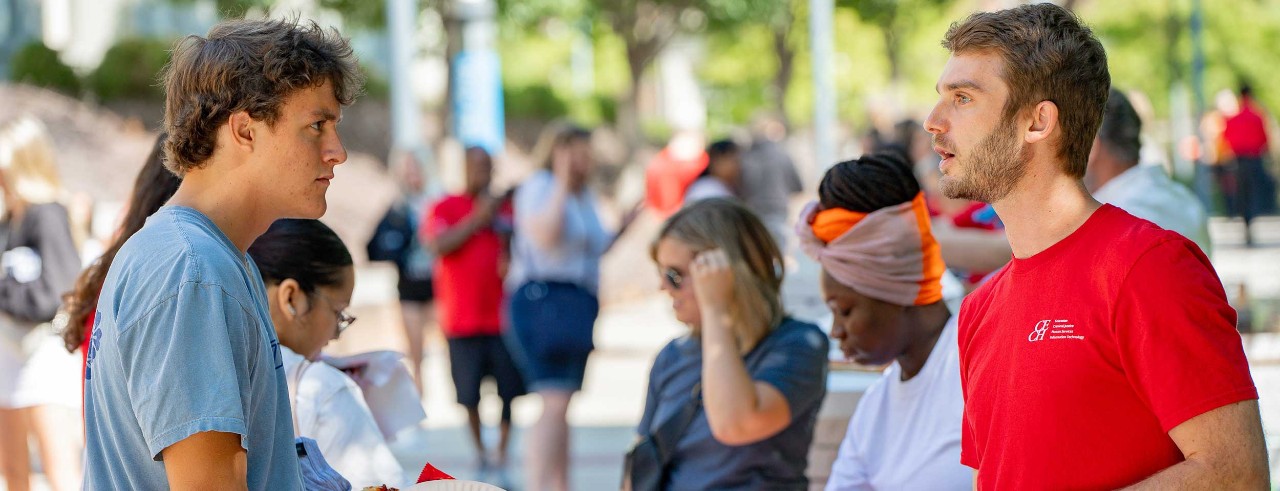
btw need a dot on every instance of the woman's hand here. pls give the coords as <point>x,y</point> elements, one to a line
<point>712,282</point>
<point>562,167</point>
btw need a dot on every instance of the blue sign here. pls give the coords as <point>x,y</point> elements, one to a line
<point>477,100</point>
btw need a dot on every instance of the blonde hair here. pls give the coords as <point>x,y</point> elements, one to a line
<point>27,161</point>
<point>555,135</point>
<point>754,256</point>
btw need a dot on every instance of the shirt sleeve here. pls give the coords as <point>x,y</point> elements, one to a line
<point>1176,335</point>
<point>797,367</point>
<point>968,448</point>
<point>849,472</point>
<point>349,437</point>
<point>653,393</point>
<point>188,366</point>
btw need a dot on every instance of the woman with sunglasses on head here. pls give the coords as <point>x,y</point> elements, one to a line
<point>309,277</point>
<point>881,278</point>
<point>758,375</point>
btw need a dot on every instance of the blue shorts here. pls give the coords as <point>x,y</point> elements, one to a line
<point>563,372</point>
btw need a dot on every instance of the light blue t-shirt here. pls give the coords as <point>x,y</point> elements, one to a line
<point>576,258</point>
<point>183,343</point>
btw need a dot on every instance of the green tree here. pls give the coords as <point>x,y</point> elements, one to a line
<point>38,65</point>
<point>737,18</point>
<point>897,20</point>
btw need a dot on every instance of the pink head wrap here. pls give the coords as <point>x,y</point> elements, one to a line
<point>889,254</point>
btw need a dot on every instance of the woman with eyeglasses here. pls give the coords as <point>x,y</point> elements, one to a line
<point>309,277</point>
<point>736,400</point>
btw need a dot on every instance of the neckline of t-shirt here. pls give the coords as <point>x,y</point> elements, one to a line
<point>1030,264</point>
<point>947,336</point>
<point>207,222</point>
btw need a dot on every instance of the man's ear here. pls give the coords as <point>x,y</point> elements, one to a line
<point>1044,122</point>
<point>242,128</point>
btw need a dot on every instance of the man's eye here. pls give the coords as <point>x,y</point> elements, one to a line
<point>963,99</point>
<point>318,125</point>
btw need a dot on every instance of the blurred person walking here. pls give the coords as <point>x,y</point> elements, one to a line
<point>554,279</point>
<point>185,383</point>
<point>881,278</point>
<point>769,178</point>
<point>309,277</point>
<point>1245,135</point>
<point>396,239</point>
<point>723,176</point>
<point>39,262</point>
<point>469,234</point>
<point>733,404</point>
<point>1104,354</point>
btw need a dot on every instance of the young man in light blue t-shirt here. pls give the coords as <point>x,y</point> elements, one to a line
<point>184,387</point>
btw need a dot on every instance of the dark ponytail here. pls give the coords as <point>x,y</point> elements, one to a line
<point>306,251</point>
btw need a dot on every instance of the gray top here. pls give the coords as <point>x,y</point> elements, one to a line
<point>793,359</point>
<point>769,178</point>
<point>183,343</point>
<point>576,257</point>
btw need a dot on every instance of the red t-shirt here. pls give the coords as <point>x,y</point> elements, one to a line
<point>1076,362</point>
<point>667,178</point>
<point>468,285</point>
<point>1246,132</point>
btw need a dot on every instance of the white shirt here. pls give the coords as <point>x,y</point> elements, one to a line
<point>331,410</point>
<point>1145,191</point>
<point>906,435</point>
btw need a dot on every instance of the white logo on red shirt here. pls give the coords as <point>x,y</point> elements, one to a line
<point>1057,329</point>
<point>1037,333</point>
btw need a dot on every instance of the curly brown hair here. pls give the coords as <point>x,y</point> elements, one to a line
<point>246,65</point>
<point>1049,55</point>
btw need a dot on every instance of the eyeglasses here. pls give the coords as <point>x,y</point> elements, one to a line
<point>673,278</point>
<point>344,319</point>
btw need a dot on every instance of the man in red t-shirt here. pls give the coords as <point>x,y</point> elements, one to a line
<point>1104,354</point>
<point>1245,134</point>
<point>468,233</point>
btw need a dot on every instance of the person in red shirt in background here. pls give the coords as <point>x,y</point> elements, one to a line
<point>1104,355</point>
<point>1245,135</point>
<point>671,172</point>
<point>469,233</point>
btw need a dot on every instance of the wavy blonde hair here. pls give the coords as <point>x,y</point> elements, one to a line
<point>754,256</point>
<point>27,160</point>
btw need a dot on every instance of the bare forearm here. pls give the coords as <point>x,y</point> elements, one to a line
<point>1223,448</point>
<point>973,250</point>
<point>453,238</point>
<point>1193,474</point>
<point>728,393</point>
<point>206,461</point>
<point>547,223</point>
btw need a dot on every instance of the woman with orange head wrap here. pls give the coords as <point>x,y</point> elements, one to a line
<point>881,278</point>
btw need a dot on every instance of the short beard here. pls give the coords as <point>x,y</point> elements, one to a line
<point>995,167</point>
